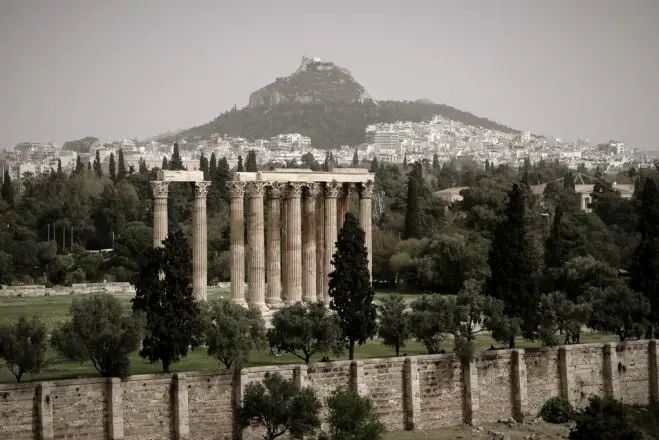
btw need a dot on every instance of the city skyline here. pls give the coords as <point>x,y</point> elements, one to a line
<point>120,70</point>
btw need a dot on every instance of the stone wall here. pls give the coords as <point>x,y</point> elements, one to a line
<point>422,392</point>
<point>75,289</point>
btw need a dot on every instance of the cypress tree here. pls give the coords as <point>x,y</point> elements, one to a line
<point>250,163</point>
<point>240,167</point>
<point>212,166</point>
<point>355,159</point>
<point>121,166</point>
<point>644,269</point>
<point>176,163</point>
<point>112,168</point>
<point>165,165</point>
<point>350,286</point>
<point>7,190</point>
<point>98,169</point>
<point>514,266</point>
<point>203,166</point>
<point>412,223</point>
<point>59,167</point>
<point>374,166</point>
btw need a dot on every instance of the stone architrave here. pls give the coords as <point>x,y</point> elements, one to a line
<point>366,219</point>
<point>331,193</point>
<point>309,243</point>
<point>273,256</point>
<point>294,243</point>
<point>256,245</point>
<point>236,192</point>
<point>199,242</point>
<point>160,194</point>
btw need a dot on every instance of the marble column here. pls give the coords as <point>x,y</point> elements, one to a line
<point>160,194</point>
<point>273,256</point>
<point>284,295</point>
<point>200,242</point>
<point>320,245</point>
<point>237,245</point>
<point>331,193</point>
<point>309,244</point>
<point>256,245</point>
<point>366,219</point>
<point>342,203</point>
<point>294,243</point>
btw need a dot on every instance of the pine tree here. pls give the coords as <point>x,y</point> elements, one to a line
<point>7,191</point>
<point>173,322</point>
<point>98,169</point>
<point>514,266</point>
<point>121,166</point>
<point>350,288</point>
<point>412,220</point>
<point>176,163</point>
<point>112,168</point>
<point>644,269</point>
<point>240,167</point>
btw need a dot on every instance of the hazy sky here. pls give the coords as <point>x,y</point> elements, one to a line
<point>120,68</point>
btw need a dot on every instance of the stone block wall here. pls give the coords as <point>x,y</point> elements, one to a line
<point>118,288</point>
<point>421,392</point>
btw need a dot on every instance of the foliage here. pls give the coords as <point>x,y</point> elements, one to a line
<point>557,410</point>
<point>164,295</point>
<point>304,330</point>
<point>618,309</point>
<point>279,406</point>
<point>558,315</point>
<point>23,346</point>
<point>604,419</point>
<point>352,417</point>
<point>431,321</point>
<point>350,288</point>
<point>394,322</point>
<point>232,332</point>
<point>99,331</point>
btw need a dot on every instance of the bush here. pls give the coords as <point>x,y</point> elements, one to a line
<point>557,410</point>
<point>604,419</point>
<point>352,417</point>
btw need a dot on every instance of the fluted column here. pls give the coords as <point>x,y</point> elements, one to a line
<point>284,295</point>
<point>331,193</point>
<point>200,243</point>
<point>366,219</point>
<point>320,245</point>
<point>309,243</point>
<point>256,245</point>
<point>273,257</point>
<point>236,192</point>
<point>294,243</point>
<point>160,194</point>
<point>342,203</point>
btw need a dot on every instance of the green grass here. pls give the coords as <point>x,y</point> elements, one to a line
<point>54,309</point>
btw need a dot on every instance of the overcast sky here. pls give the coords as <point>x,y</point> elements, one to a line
<point>124,68</point>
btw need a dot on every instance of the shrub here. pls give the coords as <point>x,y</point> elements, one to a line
<point>604,419</point>
<point>557,410</point>
<point>352,417</point>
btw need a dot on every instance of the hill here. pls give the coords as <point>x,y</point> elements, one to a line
<point>323,101</point>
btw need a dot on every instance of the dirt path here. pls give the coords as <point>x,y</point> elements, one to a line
<point>489,431</point>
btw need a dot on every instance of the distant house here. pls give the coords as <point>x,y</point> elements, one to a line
<point>451,195</point>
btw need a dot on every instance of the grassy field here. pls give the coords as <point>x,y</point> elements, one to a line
<point>55,308</point>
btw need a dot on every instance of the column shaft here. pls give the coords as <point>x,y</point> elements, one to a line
<point>236,191</point>
<point>200,243</point>
<point>309,244</point>
<point>366,220</point>
<point>256,245</point>
<point>331,193</point>
<point>160,194</point>
<point>273,260</point>
<point>294,243</point>
<point>285,290</point>
<point>320,246</point>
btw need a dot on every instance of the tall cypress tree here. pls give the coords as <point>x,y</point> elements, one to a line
<point>412,220</point>
<point>7,190</point>
<point>240,167</point>
<point>514,267</point>
<point>59,167</point>
<point>165,164</point>
<point>121,166</point>
<point>355,159</point>
<point>644,269</point>
<point>212,166</point>
<point>250,163</point>
<point>98,169</point>
<point>350,286</point>
<point>203,166</point>
<point>176,163</point>
<point>112,168</point>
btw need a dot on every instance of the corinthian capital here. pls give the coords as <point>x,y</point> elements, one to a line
<point>276,190</point>
<point>160,189</point>
<point>256,189</point>
<point>312,190</point>
<point>366,189</point>
<point>201,189</point>
<point>236,189</point>
<point>332,189</point>
<point>295,189</point>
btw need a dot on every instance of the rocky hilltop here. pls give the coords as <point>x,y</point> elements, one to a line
<point>314,82</point>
